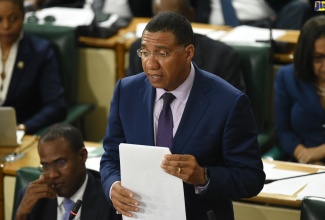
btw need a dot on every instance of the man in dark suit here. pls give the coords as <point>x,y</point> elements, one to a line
<point>64,176</point>
<point>210,55</point>
<point>212,133</point>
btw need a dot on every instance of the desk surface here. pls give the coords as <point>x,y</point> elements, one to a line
<point>291,36</point>
<point>30,158</point>
<point>29,148</point>
<point>282,199</point>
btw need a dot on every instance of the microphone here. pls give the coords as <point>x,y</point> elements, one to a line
<point>211,215</point>
<point>273,180</point>
<point>74,211</point>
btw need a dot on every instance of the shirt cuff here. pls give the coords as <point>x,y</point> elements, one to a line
<point>201,189</point>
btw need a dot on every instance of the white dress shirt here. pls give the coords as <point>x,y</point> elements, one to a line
<point>246,10</point>
<point>8,68</point>
<point>78,195</point>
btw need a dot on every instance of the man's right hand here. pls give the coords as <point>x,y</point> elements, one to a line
<point>35,191</point>
<point>123,200</point>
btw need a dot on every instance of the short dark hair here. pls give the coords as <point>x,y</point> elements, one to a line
<point>20,4</point>
<point>175,23</point>
<point>65,131</point>
<point>312,30</point>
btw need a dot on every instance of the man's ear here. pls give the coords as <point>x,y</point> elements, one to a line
<point>83,155</point>
<point>190,51</point>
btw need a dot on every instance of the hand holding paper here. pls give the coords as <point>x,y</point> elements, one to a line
<point>160,195</point>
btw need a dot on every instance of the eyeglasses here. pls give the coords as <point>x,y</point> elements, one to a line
<point>57,166</point>
<point>318,58</point>
<point>161,54</point>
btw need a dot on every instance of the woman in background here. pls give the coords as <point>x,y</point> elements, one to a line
<point>300,97</point>
<point>30,80</point>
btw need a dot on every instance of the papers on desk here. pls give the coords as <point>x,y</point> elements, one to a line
<point>161,195</point>
<point>241,33</point>
<point>20,134</point>
<point>247,34</point>
<point>204,31</point>
<point>316,187</point>
<point>309,185</point>
<point>71,17</point>
<point>94,156</point>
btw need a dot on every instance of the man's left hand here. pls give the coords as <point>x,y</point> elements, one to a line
<point>184,167</point>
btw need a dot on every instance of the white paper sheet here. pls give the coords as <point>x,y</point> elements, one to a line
<point>213,34</point>
<point>94,156</point>
<point>161,195</point>
<point>287,187</point>
<point>246,33</point>
<point>315,187</point>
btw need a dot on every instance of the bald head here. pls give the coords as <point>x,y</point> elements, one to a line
<point>182,7</point>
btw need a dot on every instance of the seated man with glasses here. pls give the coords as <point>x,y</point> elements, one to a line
<point>64,180</point>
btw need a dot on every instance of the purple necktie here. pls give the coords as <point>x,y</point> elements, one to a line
<point>164,137</point>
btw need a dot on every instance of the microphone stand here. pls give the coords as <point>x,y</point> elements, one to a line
<point>309,174</point>
<point>74,211</point>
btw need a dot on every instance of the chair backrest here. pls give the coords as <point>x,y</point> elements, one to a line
<point>257,69</point>
<point>65,44</point>
<point>24,176</point>
<point>312,208</point>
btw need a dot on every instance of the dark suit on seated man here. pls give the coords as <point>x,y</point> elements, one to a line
<point>63,156</point>
<point>210,130</point>
<point>210,55</point>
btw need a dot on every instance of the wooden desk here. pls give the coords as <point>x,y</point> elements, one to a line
<point>283,200</point>
<point>30,159</point>
<point>121,42</point>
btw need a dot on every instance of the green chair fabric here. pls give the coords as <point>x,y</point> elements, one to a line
<point>275,153</point>
<point>312,208</point>
<point>24,176</point>
<point>65,43</point>
<point>257,69</point>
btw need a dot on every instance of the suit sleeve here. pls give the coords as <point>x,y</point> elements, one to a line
<point>110,163</point>
<point>241,175</point>
<point>288,139</point>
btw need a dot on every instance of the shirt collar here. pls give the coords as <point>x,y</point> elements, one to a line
<point>181,92</point>
<point>78,195</point>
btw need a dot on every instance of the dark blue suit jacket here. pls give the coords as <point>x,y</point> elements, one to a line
<point>35,89</point>
<point>217,127</point>
<point>94,203</point>
<point>300,118</point>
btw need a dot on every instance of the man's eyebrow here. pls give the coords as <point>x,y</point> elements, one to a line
<point>54,161</point>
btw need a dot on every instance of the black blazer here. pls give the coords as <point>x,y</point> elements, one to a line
<point>210,55</point>
<point>94,204</point>
<point>35,90</point>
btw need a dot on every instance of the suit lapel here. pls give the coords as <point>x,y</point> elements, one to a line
<point>310,98</point>
<point>196,105</point>
<point>147,97</point>
<point>48,209</point>
<point>20,65</point>
<point>89,199</point>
